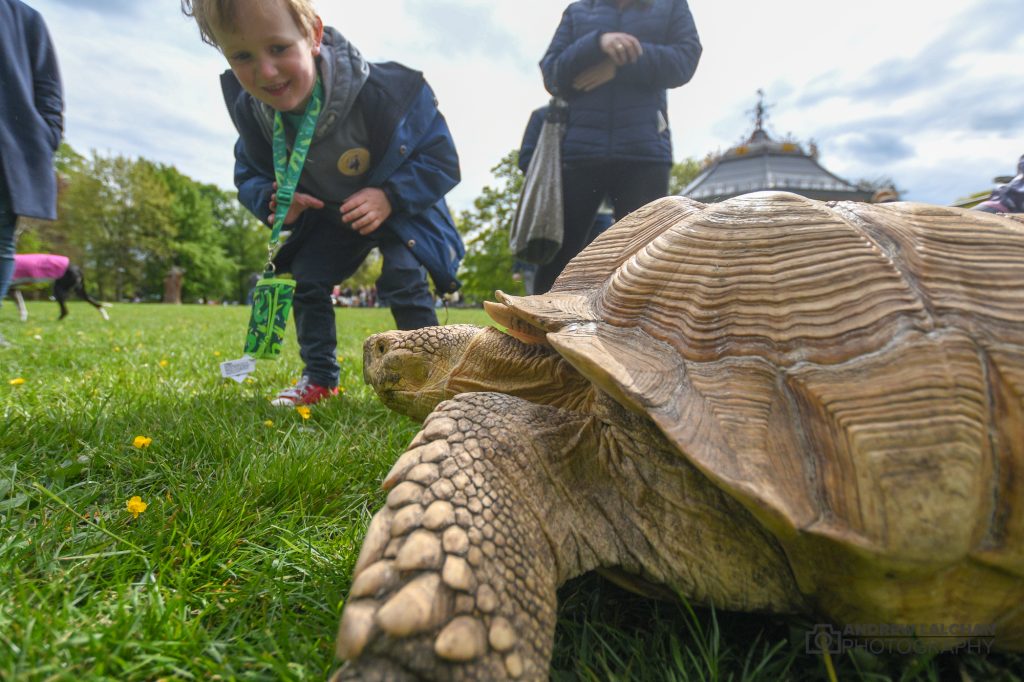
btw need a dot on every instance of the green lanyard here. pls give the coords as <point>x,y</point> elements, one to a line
<point>288,169</point>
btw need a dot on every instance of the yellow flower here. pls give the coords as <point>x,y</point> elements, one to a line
<point>268,423</point>
<point>164,363</point>
<point>142,442</point>
<point>117,349</point>
<point>216,353</point>
<point>303,411</point>
<point>136,506</point>
<point>16,382</point>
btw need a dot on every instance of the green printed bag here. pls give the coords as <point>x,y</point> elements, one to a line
<point>271,305</point>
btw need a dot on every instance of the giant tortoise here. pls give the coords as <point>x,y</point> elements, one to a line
<point>767,404</point>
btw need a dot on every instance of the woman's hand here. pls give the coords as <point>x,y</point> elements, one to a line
<point>300,202</point>
<point>621,48</point>
<point>595,76</point>
<point>366,210</point>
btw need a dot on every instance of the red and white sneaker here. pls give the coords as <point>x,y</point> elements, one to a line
<point>303,393</point>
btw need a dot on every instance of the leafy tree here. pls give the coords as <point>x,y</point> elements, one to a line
<point>244,238</point>
<point>199,245</point>
<point>120,217</point>
<point>489,263</point>
<point>129,221</point>
<point>682,174</point>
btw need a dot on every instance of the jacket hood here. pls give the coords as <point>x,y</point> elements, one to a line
<point>344,71</point>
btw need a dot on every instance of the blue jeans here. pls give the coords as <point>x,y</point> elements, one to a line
<point>8,221</point>
<point>323,253</point>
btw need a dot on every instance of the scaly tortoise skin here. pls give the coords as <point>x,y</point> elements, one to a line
<point>766,404</point>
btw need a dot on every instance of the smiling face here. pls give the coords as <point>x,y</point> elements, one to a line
<point>270,54</point>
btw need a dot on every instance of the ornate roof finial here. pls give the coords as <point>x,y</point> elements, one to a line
<point>759,111</point>
<point>760,115</point>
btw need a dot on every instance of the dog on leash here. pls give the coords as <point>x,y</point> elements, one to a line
<point>43,267</point>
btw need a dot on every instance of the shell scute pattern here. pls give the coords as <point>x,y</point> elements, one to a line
<point>810,336</point>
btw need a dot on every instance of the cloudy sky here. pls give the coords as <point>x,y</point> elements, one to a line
<point>930,94</point>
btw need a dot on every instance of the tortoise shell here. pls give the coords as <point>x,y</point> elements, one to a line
<point>853,374</point>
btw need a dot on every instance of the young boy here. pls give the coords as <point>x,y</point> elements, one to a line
<point>379,164</point>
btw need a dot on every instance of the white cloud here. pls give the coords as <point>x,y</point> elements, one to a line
<point>930,96</point>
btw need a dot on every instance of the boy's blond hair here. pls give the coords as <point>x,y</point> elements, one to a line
<point>211,14</point>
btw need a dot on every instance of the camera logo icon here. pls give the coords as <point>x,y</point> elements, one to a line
<point>823,638</point>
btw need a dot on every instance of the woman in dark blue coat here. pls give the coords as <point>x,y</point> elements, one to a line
<point>31,124</point>
<point>613,61</point>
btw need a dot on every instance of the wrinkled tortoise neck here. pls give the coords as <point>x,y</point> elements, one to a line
<point>496,362</point>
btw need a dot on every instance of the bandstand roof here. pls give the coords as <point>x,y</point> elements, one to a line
<point>762,163</point>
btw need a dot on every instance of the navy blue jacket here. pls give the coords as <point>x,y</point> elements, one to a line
<point>31,110</point>
<point>417,164</point>
<point>625,119</point>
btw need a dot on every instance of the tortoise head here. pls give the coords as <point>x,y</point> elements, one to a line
<point>412,371</point>
<point>409,370</point>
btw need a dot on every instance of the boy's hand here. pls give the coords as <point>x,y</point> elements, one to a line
<point>366,210</point>
<point>300,202</point>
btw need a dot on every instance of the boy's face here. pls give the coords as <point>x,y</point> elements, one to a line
<point>270,55</point>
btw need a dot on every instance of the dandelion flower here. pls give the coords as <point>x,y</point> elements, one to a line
<point>268,423</point>
<point>16,382</point>
<point>216,353</point>
<point>136,506</point>
<point>303,411</point>
<point>164,363</point>
<point>142,442</point>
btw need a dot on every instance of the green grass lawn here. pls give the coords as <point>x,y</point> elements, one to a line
<point>239,565</point>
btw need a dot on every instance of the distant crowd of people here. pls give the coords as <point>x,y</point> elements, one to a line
<point>361,297</point>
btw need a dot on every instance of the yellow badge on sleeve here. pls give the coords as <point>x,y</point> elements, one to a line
<point>354,162</point>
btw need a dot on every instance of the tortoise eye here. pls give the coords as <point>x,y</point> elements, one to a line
<point>382,347</point>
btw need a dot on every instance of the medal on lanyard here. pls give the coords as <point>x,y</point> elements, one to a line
<point>272,296</point>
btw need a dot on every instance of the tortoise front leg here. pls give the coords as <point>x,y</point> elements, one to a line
<point>458,572</point>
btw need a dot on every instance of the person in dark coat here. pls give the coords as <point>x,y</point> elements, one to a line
<point>31,125</point>
<point>612,61</point>
<point>1008,197</point>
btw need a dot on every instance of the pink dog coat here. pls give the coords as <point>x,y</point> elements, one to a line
<point>34,267</point>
